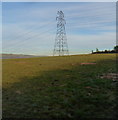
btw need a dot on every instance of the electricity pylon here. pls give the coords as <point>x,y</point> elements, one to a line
<point>60,46</point>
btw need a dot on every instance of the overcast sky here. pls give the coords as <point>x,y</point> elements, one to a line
<point>30,28</point>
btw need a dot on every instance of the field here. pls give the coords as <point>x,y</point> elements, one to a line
<point>59,87</point>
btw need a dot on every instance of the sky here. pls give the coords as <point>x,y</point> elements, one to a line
<point>59,0</point>
<point>30,27</point>
<point>0,28</point>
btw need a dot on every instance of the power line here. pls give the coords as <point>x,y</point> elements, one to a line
<point>21,41</point>
<point>30,38</point>
<point>22,34</point>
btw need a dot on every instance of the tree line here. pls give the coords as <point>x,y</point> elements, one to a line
<point>115,50</point>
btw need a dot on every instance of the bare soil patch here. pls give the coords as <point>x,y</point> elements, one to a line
<point>113,76</point>
<point>87,63</point>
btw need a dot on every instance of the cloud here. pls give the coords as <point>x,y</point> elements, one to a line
<point>81,15</point>
<point>43,44</point>
<point>92,41</point>
<point>89,25</point>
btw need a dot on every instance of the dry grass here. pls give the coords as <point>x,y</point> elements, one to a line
<point>59,87</point>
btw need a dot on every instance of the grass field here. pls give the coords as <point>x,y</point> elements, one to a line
<point>59,87</point>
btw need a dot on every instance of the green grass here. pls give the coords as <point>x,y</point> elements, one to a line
<point>59,87</point>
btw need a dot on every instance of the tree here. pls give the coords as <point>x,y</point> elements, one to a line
<point>97,50</point>
<point>116,48</point>
<point>106,51</point>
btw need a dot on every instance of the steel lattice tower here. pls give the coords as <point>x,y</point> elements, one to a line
<point>60,47</point>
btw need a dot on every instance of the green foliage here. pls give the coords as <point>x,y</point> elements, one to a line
<point>97,50</point>
<point>116,48</point>
<point>58,87</point>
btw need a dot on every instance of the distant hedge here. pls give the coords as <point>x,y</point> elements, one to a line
<point>113,51</point>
